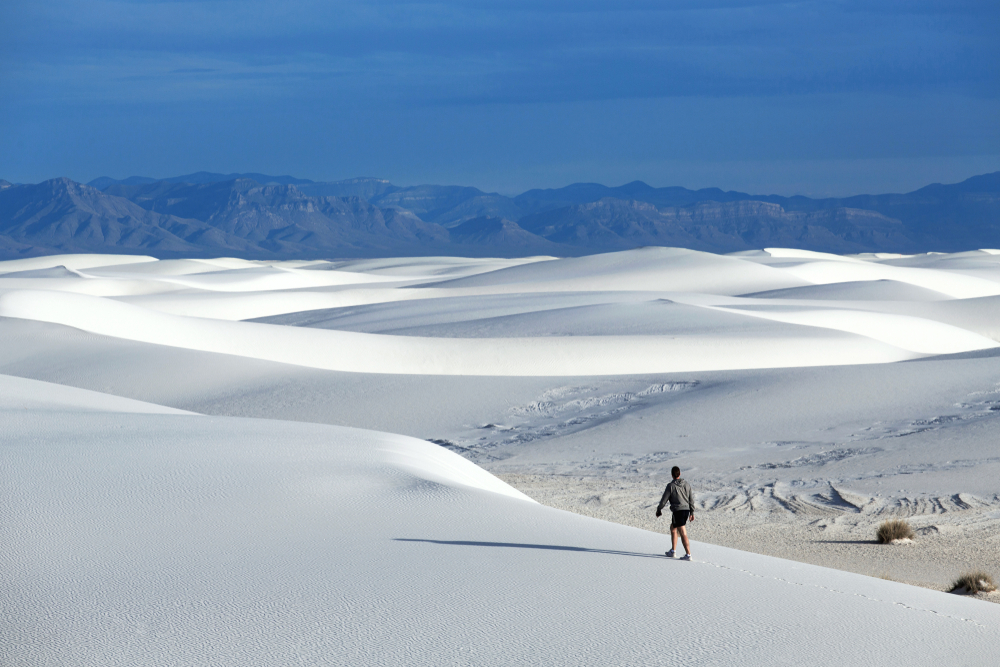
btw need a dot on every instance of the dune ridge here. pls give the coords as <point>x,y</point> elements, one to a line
<point>133,300</point>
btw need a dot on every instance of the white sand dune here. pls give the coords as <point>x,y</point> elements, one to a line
<point>160,539</point>
<point>908,333</point>
<point>406,268</point>
<point>373,353</point>
<point>979,315</point>
<point>856,290</point>
<point>18,394</point>
<point>267,278</point>
<point>163,267</point>
<point>79,284</point>
<point>521,309</point>
<point>81,261</point>
<point>953,284</point>
<point>115,283</point>
<point>797,253</point>
<point>661,269</point>
<point>255,305</point>
<point>141,534</point>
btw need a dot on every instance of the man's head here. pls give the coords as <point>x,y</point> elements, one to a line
<point>675,472</point>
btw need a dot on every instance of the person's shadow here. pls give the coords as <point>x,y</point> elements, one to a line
<point>516,545</point>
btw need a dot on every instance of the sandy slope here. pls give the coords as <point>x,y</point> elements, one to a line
<point>769,376</point>
<point>155,538</point>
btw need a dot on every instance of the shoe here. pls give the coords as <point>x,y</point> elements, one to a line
<point>686,557</point>
<point>670,554</point>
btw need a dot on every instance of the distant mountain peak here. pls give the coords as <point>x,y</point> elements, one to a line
<point>982,183</point>
<point>499,232</point>
<point>64,184</point>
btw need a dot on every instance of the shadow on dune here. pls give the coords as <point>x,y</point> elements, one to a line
<point>515,545</point>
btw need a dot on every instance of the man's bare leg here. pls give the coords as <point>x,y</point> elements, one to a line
<point>684,538</point>
<point>673,539</point>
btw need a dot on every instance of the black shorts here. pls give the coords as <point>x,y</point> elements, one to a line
<point>680,518</point>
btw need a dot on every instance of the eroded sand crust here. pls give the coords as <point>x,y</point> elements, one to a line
<point>947,543</point>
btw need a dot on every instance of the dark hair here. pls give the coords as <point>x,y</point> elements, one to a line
<point>675,472</point>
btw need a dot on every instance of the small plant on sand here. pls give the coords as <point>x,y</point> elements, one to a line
<point>892,530</point>
<point>974,582</point>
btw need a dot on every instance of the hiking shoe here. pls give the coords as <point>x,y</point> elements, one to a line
<point>686,557</point>
<point>670,554</point>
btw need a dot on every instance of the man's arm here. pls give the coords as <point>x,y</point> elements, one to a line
<point>663,501</point>
<point>691,501</point>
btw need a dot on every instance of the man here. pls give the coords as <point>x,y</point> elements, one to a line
<point>681,499</point>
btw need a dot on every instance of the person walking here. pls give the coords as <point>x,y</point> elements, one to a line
<point>681,499</point>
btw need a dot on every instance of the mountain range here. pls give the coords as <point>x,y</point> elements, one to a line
<point>261,216</point>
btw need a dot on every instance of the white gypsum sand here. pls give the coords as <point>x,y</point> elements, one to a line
<point>806,404</point>
<point>154,538</point>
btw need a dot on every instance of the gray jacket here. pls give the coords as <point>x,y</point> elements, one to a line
<point>680,496</point>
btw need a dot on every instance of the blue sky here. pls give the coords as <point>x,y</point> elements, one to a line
<point>817,98</point>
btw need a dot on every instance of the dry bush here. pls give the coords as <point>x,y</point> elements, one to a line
<point>894,529</point>
<point>973,582</point>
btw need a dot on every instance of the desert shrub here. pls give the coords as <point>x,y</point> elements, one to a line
<point>894,529</point>
<point>976,581</point>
